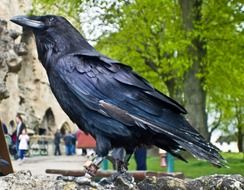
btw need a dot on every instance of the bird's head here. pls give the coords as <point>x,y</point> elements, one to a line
<point>54,35</point>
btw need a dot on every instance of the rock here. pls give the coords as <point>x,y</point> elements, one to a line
<point>9,60</point>
<point>14,34</point>
<point>222,182</point>
<point>25,180</point>
<point>21,49</point>
<point>165,183</point>
<point>212,182</point>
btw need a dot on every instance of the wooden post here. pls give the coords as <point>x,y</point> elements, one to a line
<point>4,154</point>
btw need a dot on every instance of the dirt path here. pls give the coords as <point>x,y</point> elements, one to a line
<point>37,165</point>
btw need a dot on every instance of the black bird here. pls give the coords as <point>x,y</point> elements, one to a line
<point>106,99</point>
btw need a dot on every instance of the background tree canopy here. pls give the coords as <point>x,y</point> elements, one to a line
<point>190,49</point>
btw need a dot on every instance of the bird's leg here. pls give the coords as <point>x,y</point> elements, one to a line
<point>123,178</point>
<point>122,166</point>
<point>127,159</point>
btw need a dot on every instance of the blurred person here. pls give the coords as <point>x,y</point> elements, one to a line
<point>23,143</point>
<point>141,158</point>
<point>4,127</point>
<point>19,128</point>
<point>73,149</point>
<point>57,139</point>
<point>12,133</point>
<point>163,157</point>
<point>11,127</point>
<point>68,138</point>
<point>86,142</point>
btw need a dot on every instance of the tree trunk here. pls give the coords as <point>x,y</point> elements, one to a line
<point>240,139</point>
<point>195,101</point>
<point>194,94</point>
<point>240,126</point>
<point>174,89</point>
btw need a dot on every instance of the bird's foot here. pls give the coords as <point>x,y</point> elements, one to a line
<point>109,180</point>
<point>81,180</point>
<point>123,180</point>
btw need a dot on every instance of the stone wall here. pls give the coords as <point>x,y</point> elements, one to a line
<point>24,86</point>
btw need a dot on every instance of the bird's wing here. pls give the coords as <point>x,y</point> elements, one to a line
<point>98,78</point>
<point>125,75</point>
<point>113,90</point>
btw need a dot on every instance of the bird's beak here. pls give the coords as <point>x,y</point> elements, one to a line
<point>28,21</point>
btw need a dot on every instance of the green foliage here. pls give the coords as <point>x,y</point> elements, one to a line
<point>223,30</point>
<point>196,168</point>
<point>150,40</point>
<point>69,9</point>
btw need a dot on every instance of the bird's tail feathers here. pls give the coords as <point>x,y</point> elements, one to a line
<point>189,139</point>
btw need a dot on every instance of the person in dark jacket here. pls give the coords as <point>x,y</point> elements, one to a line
<point>4,127</point>
<point>73,144</point>
<point>141,158</point>
<point>68,139</point>
<point>57,139</point>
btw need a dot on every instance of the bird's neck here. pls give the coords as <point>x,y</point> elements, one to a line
<point>51,48</point>
<point>46,52</point>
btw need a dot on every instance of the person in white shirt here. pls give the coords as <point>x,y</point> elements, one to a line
<point>20,126</point>
<point>23,143</point>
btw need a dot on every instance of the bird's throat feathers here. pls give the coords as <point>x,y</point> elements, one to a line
<point>52,44</point>
<point>45,51</point>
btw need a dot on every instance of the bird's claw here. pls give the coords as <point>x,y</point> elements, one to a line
<point>66,178</point>
<point>119,179</point>
<point>126,181</point>
<point>109,180</point>
<point>82,180</point>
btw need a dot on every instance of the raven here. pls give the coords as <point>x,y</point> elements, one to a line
<point>107,99</point>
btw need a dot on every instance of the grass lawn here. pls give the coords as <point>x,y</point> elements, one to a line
<point>196,168</point>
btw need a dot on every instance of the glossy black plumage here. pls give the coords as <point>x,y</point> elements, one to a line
<point>107,99</point>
